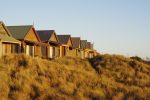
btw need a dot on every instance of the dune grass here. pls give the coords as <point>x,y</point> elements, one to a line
<point>102,77</point>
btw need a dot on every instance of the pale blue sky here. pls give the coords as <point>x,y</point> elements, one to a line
<point>115,26</point>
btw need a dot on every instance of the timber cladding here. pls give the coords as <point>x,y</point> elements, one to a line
<point>28,37</point>
<point>8,48</point>
<point>42,43</point>
<point>44,51</point>
<point>0,48</point>
<point>38,50</point>
<point>31,36</point>
<point>8,44</point>
<point>49,37</point>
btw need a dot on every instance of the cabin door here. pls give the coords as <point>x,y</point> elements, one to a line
<point>63,51</point>
<point>51,52</point>
<point>27,50</point>
<point>1,49</point>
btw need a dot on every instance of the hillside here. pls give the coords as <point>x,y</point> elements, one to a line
<point>103,77</point>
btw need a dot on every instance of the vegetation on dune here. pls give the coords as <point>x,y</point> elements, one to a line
<point>141,60</point>
<point>102,77</point>
<point>123,77</point>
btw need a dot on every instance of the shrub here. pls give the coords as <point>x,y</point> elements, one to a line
<point>102,77</point>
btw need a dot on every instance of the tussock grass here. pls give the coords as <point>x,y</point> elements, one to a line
<point>123,77</point>
<point>103,77</point>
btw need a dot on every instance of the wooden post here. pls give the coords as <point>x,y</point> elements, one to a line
<point>1,49</point>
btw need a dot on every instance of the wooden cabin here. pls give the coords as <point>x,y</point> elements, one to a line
<point>50,37</point>
<point>76,46</point>
<point>89,50</point>
<point>8,44</point>
<point>94,52</point>
<point>65,45</point>
<point>30,42</point>
<point>83,53</point>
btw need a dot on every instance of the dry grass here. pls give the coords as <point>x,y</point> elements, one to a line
<point>103,77</point>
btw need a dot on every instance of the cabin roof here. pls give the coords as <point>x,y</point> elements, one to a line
<point>19,32</point>
<point>75,42</point>
<point>6,29</point>
<point>89,45</point>
<point>83,44</point>
<point>8,39</point>
<point>45,35</point>
<point>63,39</point>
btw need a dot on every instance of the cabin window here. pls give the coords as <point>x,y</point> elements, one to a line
<point>15,48</point>
<point>44,51</point>
<point>37,51</point>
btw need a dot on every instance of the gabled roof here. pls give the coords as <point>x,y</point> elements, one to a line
<point>45,35</point>
<point>5,28</point>
<point>63,39</point>
<point>19,32</point>
<point>8,39</point>
<point>89,45</point>
<point>83,44</point>
<point>75,42</point>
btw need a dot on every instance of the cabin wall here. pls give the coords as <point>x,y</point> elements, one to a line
<point>67,51</point>
<point>82,54</point>
<point>95,53</point>
<point>0,49</point>
<point>6,47</point>
<point>60,53</point>
<point>44,51</point>
<point>57,53</point>
<point>72,53</point>
<point>53,38</point>
<point>31,36</point>
<point>86,54</point>
<point>78,52</point>
<point>91,54</point>
<point>15,48</point>
<point>54,52</point>
<point>37,51</point>
<point>64,51</point>
<point>9,48</point>
<point>33,49</point>
<point>69,43</point>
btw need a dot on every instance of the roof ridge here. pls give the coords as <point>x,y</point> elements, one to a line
<point>18,25</point>
<point>45,30</point>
